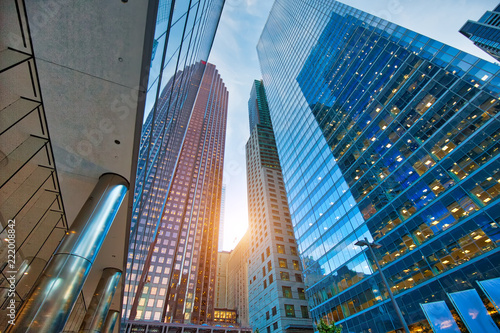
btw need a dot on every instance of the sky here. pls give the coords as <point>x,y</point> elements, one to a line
<point>235,56</point>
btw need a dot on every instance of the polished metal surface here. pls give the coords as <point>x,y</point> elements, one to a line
<point>56,290</point>
<point>101,301</point>
<point>111,321</point>
<point>52,299</point>
<point>96,215</point>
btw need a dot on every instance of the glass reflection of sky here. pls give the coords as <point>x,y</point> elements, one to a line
<point>471,309</point>
<point>492,289</point>
<point>440,317</point>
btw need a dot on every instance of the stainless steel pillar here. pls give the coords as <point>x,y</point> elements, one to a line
<point>111,321</point>
<point>93,322</point>
<point>55,292</point>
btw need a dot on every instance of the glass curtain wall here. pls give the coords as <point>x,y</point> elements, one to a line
<point>386,134</point>
<point>183,37</point>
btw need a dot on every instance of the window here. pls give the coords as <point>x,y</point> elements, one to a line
<point>282,263</point>
<point>298,277</point>
<point>287,292</point>
<point>268,329</point>
<point>281,249</point>
<point>267,315</point>
<point>262,257</point>
<point>273,311</point>
<point>305,311</point>
<point>285,276</point>
<point>269,266</point>
<point>289,310</point>
<point>263,271</point>
<point>268,251</point>
<point>275,326</point>
<point>271,279</point>
<point>293,250</point>
<point>265,284</point>
<point>296,265</point>
<point>302,294</point>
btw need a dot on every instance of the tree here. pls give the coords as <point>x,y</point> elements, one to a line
<point>325,328</point>
<point>256,330</point>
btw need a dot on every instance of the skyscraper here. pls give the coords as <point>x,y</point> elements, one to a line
<point>485,33</point>
<point>388,135</point>
<point>222,215</point>
<point>237,284</point>
<point>276,295</point>
<point>221,280</point>
<point>171,276</point>
<point>232,283</point>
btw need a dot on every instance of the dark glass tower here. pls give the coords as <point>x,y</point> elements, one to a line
<point>258,110</point>
<point>386,134</point>
<point>485,33</point>
<point>276,295</point>
<point>173,278</point>
<point>174,228</point>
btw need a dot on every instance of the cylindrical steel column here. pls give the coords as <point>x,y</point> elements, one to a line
<point>93,322</point>
<point>55,292</point>
<point>111,321</point>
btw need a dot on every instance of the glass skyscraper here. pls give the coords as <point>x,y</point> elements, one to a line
<point>485,33</point>
<point>174,230</point>
<point>174,280</point>
<point>388,135</point>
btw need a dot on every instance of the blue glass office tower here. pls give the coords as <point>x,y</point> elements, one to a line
<point>485,33</point>
<point>386,134</point>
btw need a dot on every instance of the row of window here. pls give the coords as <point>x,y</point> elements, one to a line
<point>289,312</point>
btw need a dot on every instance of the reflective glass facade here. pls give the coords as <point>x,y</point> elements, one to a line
<point>386,134</point>
<point>258,110</point>
<point>485,33</point>
<point>174,230</point>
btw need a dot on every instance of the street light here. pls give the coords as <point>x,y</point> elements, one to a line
<point>371,246</point>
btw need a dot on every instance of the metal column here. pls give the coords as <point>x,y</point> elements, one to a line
<point>55,292</point>
<point>111,321</point>
<point>101,301</point>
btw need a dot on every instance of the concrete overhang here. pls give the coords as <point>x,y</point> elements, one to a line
<point>91,63</point>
